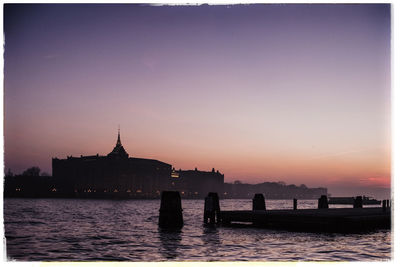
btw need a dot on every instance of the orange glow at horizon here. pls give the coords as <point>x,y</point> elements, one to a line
<point>362,167</point>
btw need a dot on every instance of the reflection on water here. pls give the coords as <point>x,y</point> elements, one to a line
<point>211,240</point>
<point>170,242</point>
<point>127,230</point>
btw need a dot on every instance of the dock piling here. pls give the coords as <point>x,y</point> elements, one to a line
<point>170,210</point>
<point>384,205</point>
<point>358,202</point>
<point>259,202</point>
<point>212,212</point>
<point>323,202</point>
<point>294,204</point>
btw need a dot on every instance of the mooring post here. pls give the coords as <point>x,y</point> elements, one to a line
<point>323,202</point>
<point>217,207</point>
<point>384,205</point>
<point>211,209</point>
<point>208,208</point>
<point>259,202</point>
<point>170,210</point>
<point>358,202</point>
<point>294,203</point>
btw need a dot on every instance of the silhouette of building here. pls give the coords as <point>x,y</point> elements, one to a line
<point>197,184</point>
<point>118,176</point>
<point>114,175</point>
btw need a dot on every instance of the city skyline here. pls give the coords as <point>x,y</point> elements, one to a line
<point>294,93</point>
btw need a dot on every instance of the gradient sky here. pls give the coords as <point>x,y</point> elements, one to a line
<point>294,93</point>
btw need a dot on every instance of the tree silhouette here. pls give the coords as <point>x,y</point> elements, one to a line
<point>32,171</point>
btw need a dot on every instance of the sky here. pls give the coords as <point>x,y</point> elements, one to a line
<point>293,93</point>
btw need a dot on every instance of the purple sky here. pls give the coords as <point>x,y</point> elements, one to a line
<point>294,93</point>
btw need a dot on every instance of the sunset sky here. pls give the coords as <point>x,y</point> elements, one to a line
<point>293,93</point>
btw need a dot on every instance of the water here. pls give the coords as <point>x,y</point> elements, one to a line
<point>126,230</point>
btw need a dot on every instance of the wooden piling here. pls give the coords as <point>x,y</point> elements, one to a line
<point>323,202</point>
<point>259,202</point>
<point>384,205</point>
<point>170,210</point>
<point>358,202</point>
<point>294,204</point>
<point>212,209</point>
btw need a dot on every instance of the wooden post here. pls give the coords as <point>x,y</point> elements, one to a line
<point>211,209</point>
<point>217,207</point>
<point>358,202</point>
<point>259,202</point>
<point>208,207</point>
<point>384,205</point>
<point>323,202</point>
<point>170,210</point>
<point>294,203</point>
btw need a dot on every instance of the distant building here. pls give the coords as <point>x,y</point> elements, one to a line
<point>197,184</point>
<point>114,175</point>
<point>272,190</point>
<point>30,186</point>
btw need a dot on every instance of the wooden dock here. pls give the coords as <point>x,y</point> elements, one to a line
<point>350,220</point>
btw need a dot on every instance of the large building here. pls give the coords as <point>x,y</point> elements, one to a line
<point>119,176</point>
<point>114,175</point>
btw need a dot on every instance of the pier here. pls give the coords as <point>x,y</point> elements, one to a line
<point>323,219</point>
<point>348,220</point>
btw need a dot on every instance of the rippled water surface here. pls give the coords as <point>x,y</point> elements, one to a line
<point>127,230</point>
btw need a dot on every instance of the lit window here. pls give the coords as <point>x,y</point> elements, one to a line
<point>174,174</point>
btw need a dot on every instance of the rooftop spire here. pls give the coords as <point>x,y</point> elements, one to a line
<point>119,138</point>
<point>118,150</point>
